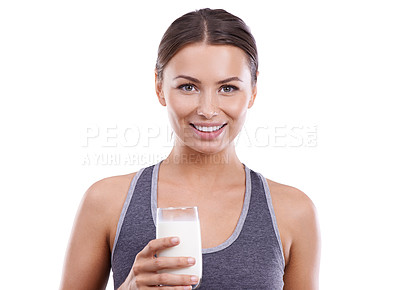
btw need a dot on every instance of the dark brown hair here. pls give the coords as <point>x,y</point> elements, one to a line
<point>211,26</point>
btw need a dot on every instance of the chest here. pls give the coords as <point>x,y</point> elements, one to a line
<point>219,210</point>
<point>249,258</point>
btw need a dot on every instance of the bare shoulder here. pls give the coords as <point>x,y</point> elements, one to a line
<point>295,203</point>
<point>105,199</point>
<point>298,225</point>
<point>108,189</point>
<point>87,261</point>
<point>297,219</point>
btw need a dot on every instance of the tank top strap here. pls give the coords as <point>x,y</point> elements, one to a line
<point>252,258</point>
<point>135,226</point>
<point>272,214</point>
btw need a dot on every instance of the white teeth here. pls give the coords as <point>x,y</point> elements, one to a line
<point>208,129</point>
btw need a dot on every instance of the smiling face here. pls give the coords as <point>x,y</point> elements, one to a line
<point>207,90</point>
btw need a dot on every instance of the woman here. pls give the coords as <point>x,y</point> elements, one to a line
<point>256,233</point>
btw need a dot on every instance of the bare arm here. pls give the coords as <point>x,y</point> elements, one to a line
<point>302,269</point>
<point>87,261</point>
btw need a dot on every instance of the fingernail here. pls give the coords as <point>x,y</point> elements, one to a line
<point>187,287</point>
<point>194,279</point>
<point>175,241</point>
<point>191,261</point>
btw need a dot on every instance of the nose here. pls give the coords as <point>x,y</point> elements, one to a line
<point>208,105</point>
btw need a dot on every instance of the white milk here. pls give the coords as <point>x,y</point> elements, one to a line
<point>189,246</point>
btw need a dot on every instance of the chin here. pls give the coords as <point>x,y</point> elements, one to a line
<point>208,148</point>
<point>205,147</point>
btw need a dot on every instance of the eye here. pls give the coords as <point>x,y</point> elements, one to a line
<point>228,89</point>
<point>187,87</point>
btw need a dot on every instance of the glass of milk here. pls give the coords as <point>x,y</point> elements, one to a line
<point>182,222</point>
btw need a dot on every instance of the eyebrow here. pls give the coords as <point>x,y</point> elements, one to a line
<point>194,80</point>
<point>229,80</point>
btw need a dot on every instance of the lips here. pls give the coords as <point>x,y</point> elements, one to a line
<point>207,128</point>
<point>208,131</point>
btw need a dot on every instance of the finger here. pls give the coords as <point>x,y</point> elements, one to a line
<point>158,245</point>
<point>161,263</point>
<point>187,287</point>
<point>166,279</point>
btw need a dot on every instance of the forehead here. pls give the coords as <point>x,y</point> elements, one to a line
<point>209,62</point>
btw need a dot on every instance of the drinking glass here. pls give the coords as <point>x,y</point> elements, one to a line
<point>182,222</point>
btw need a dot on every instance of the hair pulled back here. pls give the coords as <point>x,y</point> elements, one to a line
<point>211,26</point>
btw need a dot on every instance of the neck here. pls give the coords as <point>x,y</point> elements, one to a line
<point>197,168</point>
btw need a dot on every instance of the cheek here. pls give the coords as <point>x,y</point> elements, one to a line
<point>236,107</point>
<point>179,106</point>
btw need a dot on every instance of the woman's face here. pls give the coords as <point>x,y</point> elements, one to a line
<point>207,90</point>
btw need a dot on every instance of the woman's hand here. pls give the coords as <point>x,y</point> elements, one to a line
<point>144,273</point>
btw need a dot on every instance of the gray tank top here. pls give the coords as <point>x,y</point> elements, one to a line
<point>251,258</point>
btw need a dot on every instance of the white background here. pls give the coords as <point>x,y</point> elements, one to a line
<point>69,68</point>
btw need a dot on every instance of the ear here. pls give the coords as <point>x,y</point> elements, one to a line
<point>253,95</point>
<point>159,91</point>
